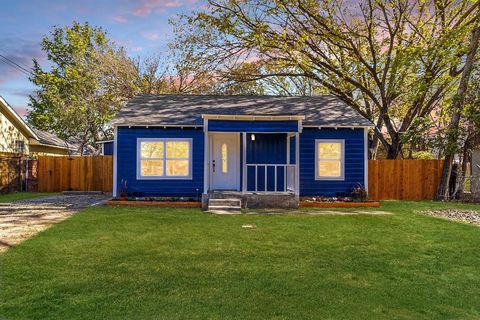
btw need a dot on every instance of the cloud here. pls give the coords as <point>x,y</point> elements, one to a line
<point>152,36</point>
<point>21,110</point>
<point>146,7</point>
<point>120,19</point>
<point>21,52</point>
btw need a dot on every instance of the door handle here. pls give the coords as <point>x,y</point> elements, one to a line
<point>213,166</point>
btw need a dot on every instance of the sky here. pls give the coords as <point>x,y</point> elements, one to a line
<point>140,26</point>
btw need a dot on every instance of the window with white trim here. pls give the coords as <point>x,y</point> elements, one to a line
<point>329,159</point>
<point>169,158</point>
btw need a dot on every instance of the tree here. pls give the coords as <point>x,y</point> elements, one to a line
<point>87,83</point>
<point>453,130</point>
<point>392,61</point>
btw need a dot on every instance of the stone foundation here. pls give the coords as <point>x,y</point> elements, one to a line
<point>253,200</point>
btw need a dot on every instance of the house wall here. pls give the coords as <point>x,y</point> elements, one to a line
<point>9,133</point>
<point>108,148</point>
<point>42,150</point>
<point>253,126</point>
<point>354,161</point>
<point>273,145</point>
<point>127,161</point>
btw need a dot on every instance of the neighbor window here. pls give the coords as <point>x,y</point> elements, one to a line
<point>329,157</point>
<point>164,158</point>
<point>19,146</point>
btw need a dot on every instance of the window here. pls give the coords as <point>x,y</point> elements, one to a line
<point>19,146</point>
<point>164,158</point>
<point>224,158</point>
<point>329,155</point>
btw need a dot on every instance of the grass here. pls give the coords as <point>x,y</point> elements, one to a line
<point>145,263</point>
<point>16,196</point>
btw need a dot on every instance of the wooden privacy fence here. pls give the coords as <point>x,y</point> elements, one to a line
<point>403,179</point>
<point>88,173</point>
<point>387,179</point>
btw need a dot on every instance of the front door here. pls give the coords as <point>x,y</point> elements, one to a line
<point>224,161</point>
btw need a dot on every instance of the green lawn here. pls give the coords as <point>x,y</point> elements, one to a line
<point>124,263</point>
<point>9,197</point>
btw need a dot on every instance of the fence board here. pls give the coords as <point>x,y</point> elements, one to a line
<point>387,179</point>
<point>92,173</point>
<point>403,179</point>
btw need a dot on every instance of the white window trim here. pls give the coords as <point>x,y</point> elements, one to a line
<point>342,159</point>
<point>190,159</point>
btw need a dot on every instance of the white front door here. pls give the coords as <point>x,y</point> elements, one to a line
<point>225,161</point>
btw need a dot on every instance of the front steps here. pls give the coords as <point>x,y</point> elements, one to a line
<point>224,206</point>
<point>228,202</point>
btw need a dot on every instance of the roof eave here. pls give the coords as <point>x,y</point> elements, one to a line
<point>19,119</point>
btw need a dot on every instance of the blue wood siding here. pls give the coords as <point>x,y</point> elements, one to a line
<point>354,162</point>
<point>127,155</point>
<point>266,149</point>
<point>252,126</point>
<point>108,148</point>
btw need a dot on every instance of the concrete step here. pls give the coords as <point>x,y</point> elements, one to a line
<point>225,202</point>
<point>225,212</point>
<point>225,208</point>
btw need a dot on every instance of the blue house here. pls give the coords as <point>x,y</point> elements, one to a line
<point>106,147</point>
<point>263,150</point>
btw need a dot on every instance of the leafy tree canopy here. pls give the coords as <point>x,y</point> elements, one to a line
<point>393,61</point>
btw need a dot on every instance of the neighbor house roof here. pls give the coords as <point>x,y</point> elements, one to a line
<point>150,110</point>
<point>49,139</point>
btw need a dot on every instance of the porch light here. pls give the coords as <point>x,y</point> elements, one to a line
<point>252,136</point>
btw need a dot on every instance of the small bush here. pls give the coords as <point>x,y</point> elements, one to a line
<point>359,193</point>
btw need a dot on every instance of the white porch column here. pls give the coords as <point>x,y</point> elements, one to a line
<point>115,147</point>
<point>288,148</point>
<point>206,156</point>
<point>297,164</point>
<point>244,162</point>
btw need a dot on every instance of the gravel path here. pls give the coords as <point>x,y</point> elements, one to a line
<point>21,220</point>
<point>470,216</point>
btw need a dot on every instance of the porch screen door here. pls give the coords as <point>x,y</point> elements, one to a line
<point>224,161</point>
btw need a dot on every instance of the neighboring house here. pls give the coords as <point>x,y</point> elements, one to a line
<point>16,137</point>
<point>49,144</point>
<point>14,132</point>
<point>265,150</point>
<point>106,147</point>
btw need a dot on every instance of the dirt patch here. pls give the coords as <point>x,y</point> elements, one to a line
<point>469,216</point>
<point>21,220</point>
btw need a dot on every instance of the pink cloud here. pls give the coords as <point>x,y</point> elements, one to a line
<point>146,7</point>
<point>120,19</point>
<point>21,110</point>
<point>152,36</point>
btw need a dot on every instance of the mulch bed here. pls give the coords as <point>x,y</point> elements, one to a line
<point>469,216</point>
<point>164,204</point>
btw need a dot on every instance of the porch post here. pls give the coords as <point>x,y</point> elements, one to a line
<point>288,148</point>
<point>244,162</point>
<point>297,164</point>
<point>206,155</point>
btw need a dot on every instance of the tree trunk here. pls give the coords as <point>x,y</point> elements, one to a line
<point>453,127</point>
<point>376,139</point>
<point>463,172</point>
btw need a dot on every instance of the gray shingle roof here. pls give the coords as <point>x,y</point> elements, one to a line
<point>49,139</point>
<point>188,109</point>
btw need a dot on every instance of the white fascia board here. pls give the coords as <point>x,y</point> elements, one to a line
<point>19,119</point>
